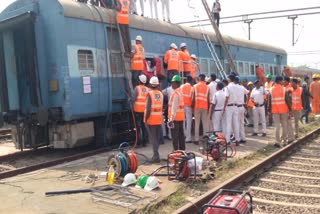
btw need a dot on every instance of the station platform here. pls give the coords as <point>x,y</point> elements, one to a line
<point>26,193</point>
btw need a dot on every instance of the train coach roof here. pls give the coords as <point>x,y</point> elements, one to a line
<point>83,11</point>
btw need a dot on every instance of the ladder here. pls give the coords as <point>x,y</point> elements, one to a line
<point>209,44</point>
<point>219,36</point>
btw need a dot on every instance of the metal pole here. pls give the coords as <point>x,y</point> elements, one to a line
<point>293,19</point>
<point>249,21</point>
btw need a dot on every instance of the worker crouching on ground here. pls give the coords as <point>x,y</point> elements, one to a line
<point>176,114</point>
<point>139,100</point>
<point>153,116</point>
<point>297,104</point>
<point>257,97</point>
<point>137,55</point>
<point>280,105</point>
<point>187,91</point>
<point>200,101</point>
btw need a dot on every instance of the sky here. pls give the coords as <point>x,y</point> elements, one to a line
<point>276,32</point>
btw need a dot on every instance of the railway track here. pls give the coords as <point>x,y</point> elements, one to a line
<point>287,181</point>
<point>5,134</point>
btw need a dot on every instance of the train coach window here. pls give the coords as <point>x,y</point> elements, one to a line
<point>271,70</point>
<point>252,69</point>
<point>246,68</point>
<point>240,68</point>
<point>276,70</point>
<point>213,67</point>
<point>85,60</point>
<point>204,66</point>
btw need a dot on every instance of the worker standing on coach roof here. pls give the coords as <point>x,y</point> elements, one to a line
<point>297,103</point>
<point>171,58</point>
<point>153,116</point>
<point>193,66</point>
<point>217,107</point>
<point>154,6</point>
<point>259,115</point>
<point>280,105</point>
<point>139,99</point>
<point>315,94</point>
<point>185,60</point>
<point>187,91</point>
<point>176,114</point>
<point>122,7</point>
<point>230,109</point>
<point>137,55</point>
<point>201,101</point>
<point>166,9</point>
<point>212,89</point>
<point>216,9</point>
<point>242,94</point>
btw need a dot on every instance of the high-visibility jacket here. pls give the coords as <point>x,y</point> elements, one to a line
<point>193,67</point>
<point>288,88</point>
<point>268,85</point>
<point>155,117</point>
<point>180,108</point>
<point>187,91</point>
<point>123,14</point>
<point>296,99</point>
<point>140,102</point>
<point>250,103</point>
<point>314,89</point>
<point>172,59</point>
<point>137,59</point>
<point>278,102</point>
<point>201,91</point>
<point>184,63</point>
<point>260,75</point>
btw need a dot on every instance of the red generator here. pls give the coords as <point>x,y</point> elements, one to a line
<point>229,202</point>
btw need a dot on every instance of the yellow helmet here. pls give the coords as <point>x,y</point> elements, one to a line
<point>250,83</point>
<point>299,79</point>
<point>314,76</point>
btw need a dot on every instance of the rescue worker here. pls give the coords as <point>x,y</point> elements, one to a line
<point>259,74</point>
<point>216,9</point>
<point>176,114</point>
<point>171,58</point>
<point>289,89</point>
<point>193,66</point>
<point>139,100</point>
<point>142,7</point>
<point>259,115</point>
<point>166,95</point>
<point>250,105</point>
<point>242,94</point>
<point>307,97</point>
<point>122,7</point>
<point>315,95</point>
<point>137,55</point>
<point>212,88</point>
<point>217,107</point>
<point>297,103</point>
<point>230,110</point>
<point>200,102</point>
<point>279,105</point>
<point>153,116</point>
<point>185,67</point>
<point>187,91</point>
<point>166,9</point>
<point>133,7</point>
<point>154,6</point>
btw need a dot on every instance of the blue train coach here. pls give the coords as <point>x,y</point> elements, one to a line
<point>62,82</point>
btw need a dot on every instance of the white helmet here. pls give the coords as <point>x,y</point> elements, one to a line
<point>173,46</point>
<point>151,184</point>
<point>217,80</point>
<point>154,80</point>
<point>183,45</point>
<point>129,179</point>
<point>207,79</point>
<point>139,38</point>
<point>143,78</point>
<point>193,56</point>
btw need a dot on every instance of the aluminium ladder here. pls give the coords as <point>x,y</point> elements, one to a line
<point>209,44</point>
<point>219,36</point>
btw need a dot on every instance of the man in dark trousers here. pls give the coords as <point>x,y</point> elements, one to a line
<point>216,11</point>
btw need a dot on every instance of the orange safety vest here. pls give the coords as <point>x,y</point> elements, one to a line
<point>201,91</point>
<point>155,117</point>
<point>250,103</point>
<point>278,102</point>
<point>140,102</point>
<point>184,61</point>
<point>172,59</point>
<point>187,90</point>
<point>296,99</point>
<point>194,68</point>
<point>137,59</point>
<point>123,14</point>
<point>180,107</point>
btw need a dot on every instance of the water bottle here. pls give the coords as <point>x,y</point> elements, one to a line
<point>110,175</point>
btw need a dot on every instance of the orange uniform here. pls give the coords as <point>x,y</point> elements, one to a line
<point>180,108</point>
<point>187,91</point>
<point>140,102</point>
<point>278,102</point>
<point>123,14</point>
<point>184,64</point>
<point>194,68</point>
<point>315,93</point>
<point>137,59</point>
<point>296,99</point>
<point>172,59</point>
<point>155,117</point>
<point>201,91</point>
<point>260,75</point>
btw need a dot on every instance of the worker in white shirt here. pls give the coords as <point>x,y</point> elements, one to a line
<point>257,96</point>
<point>212,88</point>
<point>230,109</point>
<point>241,103</point>
<point>142,7</point>
<point>133,7</point>
<point>217,107</point>
<point>154,6</point>
<point>166,9</point>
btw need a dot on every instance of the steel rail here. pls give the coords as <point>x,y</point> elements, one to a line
<point>195,205</point>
